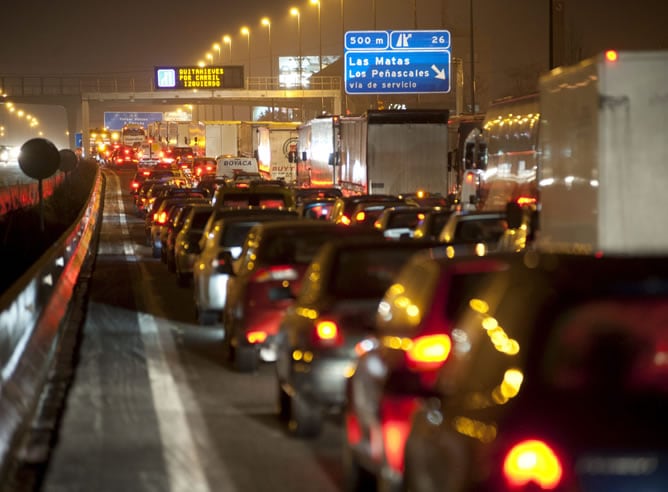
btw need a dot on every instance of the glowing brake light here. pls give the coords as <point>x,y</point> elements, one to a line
<point>526,200</point>
<point>611,55</point>
<point>135,185</point>
<point>256,337</point>
<point>396,415</point>
<point>161,218</point>
<point>275,273</point>
<point>328,333</point>
<point>345,220</point>
<point>532,461</point>
<point>359,217</point>
<point>469,178</point>
<point>428,352</point>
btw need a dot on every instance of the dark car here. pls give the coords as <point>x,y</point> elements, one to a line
<point>412,339</point>
<point>324,332</point>
<point>344,208</point>
<point>557,380</point>
<point>431,225</point>
<point>316,208</point>
<point>400,222</point>
<point>303,194</point>
<point>473,233</point>
<point>271,265</point>
<point>254,194</point>
<point>187,243</point>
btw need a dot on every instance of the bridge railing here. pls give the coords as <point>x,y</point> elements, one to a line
<point>22,86</point>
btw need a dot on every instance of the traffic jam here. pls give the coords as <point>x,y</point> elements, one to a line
<point>448,346</point>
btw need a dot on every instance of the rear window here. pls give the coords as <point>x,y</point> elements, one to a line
<point>367,274</point>
<point>269,200</point>
<point>610,345</point>
<point>235,234</point>
<point>409,220</point>
<point>199,219</point>
<point>480,230</point>
<point>296,247</point>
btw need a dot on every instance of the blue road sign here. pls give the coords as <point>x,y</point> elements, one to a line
<point>397,62</point>
<point>78,140</point>
<point>116,121</point>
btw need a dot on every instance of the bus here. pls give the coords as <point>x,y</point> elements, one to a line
<point>133,135</point>
<point>506,171</point>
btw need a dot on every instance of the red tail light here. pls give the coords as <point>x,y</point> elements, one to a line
<point>360,216</point>
<point>611,55</point>
<point>327,333</point>
<point>429,352</point>
<point>135,185</point>
<point>256,336</point>
<point>396,415</point>
<point>345,220</point>
<point>160,218</point>
<point>532,462</point>
<point>275,273</point>
<point>353,429</point>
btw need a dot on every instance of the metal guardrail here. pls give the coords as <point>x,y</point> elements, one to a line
<point>32,313</point>
<point>35,86</point>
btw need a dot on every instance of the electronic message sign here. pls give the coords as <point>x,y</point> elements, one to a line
<point>209,78</point>
<point>397,62</point>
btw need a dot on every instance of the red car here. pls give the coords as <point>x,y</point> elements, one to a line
<point>263,284</point>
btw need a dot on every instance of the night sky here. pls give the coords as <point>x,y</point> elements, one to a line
<point>49,37</point>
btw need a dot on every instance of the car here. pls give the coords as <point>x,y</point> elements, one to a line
<point>556,380</point>
<point>400,222</point>
<point>427,199</point>
<point>227,234</point>
<point>327,327</point>
<point>158,215</point>
<point>140,176</point>
<point>316,208</point>
<point>273,259</point>
<point>187,243</point>
<point>174,225</point>
<point>203,166</point>
<point>256,194</point>
<point>473,232</point>
<point>303,194</point>
<point>430,226</point>
<point>344,208</point>
<point>411,339</point>
<point>365,214</point>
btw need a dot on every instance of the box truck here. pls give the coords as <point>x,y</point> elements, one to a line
<point>603,153</point>
<point>381,152</point>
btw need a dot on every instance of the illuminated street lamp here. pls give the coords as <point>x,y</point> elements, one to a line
<point>317,3</point>
<point>201,64</point>
<point>246,32</point>
<point>209,57</point>
<point>228,41</point>
<point>216,47</point>
<point>294,11</point>
<point>266,22</point>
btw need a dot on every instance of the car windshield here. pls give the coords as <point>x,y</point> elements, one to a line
<point>297,248</point>
<point>480,230</point>
<point>235,233</point>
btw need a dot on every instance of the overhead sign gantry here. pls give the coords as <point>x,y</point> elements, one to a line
<point>397,62</point>
<point>222,77</point>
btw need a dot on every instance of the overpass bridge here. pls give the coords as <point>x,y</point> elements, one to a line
<point>79,95</point>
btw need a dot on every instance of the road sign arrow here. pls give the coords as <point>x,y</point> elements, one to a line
<point>440,74</point>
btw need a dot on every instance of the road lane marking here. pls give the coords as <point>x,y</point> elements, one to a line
<point>169,389</point>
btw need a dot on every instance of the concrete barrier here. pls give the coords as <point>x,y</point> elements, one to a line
<point>31,317</point>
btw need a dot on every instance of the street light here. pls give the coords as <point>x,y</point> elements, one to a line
<point>209,57</point>
<point>266,22</point>
<point>228,40</point>
<point>317,3</point>
<point>246,32</point>
<point>216,47</point>
<point>294,11</point>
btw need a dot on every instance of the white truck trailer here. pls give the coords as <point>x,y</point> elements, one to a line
<point>382,152</point>
<point>603,173</point>
<point>221,138</point>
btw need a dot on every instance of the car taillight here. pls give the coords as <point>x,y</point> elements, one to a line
<point>135,185</point>
<point>345,220</point>
<point>161,218</point>
<point>353,429</point>
<point>327,333</point>
<point>396,415</point>
<point>360,216</point>
<point>275,273</point>
<point>428,352</point>
<point>532,462</point>
<point>256,337</point>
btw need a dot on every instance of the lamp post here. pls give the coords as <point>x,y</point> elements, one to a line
<point>373,13</point>
<point>209,57</point>
<point>317,4</point>
<point>294,11</point>
<point>228,41</point>
<point>246,32</point>
<point>216,47</point>
<point>266,22</point>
